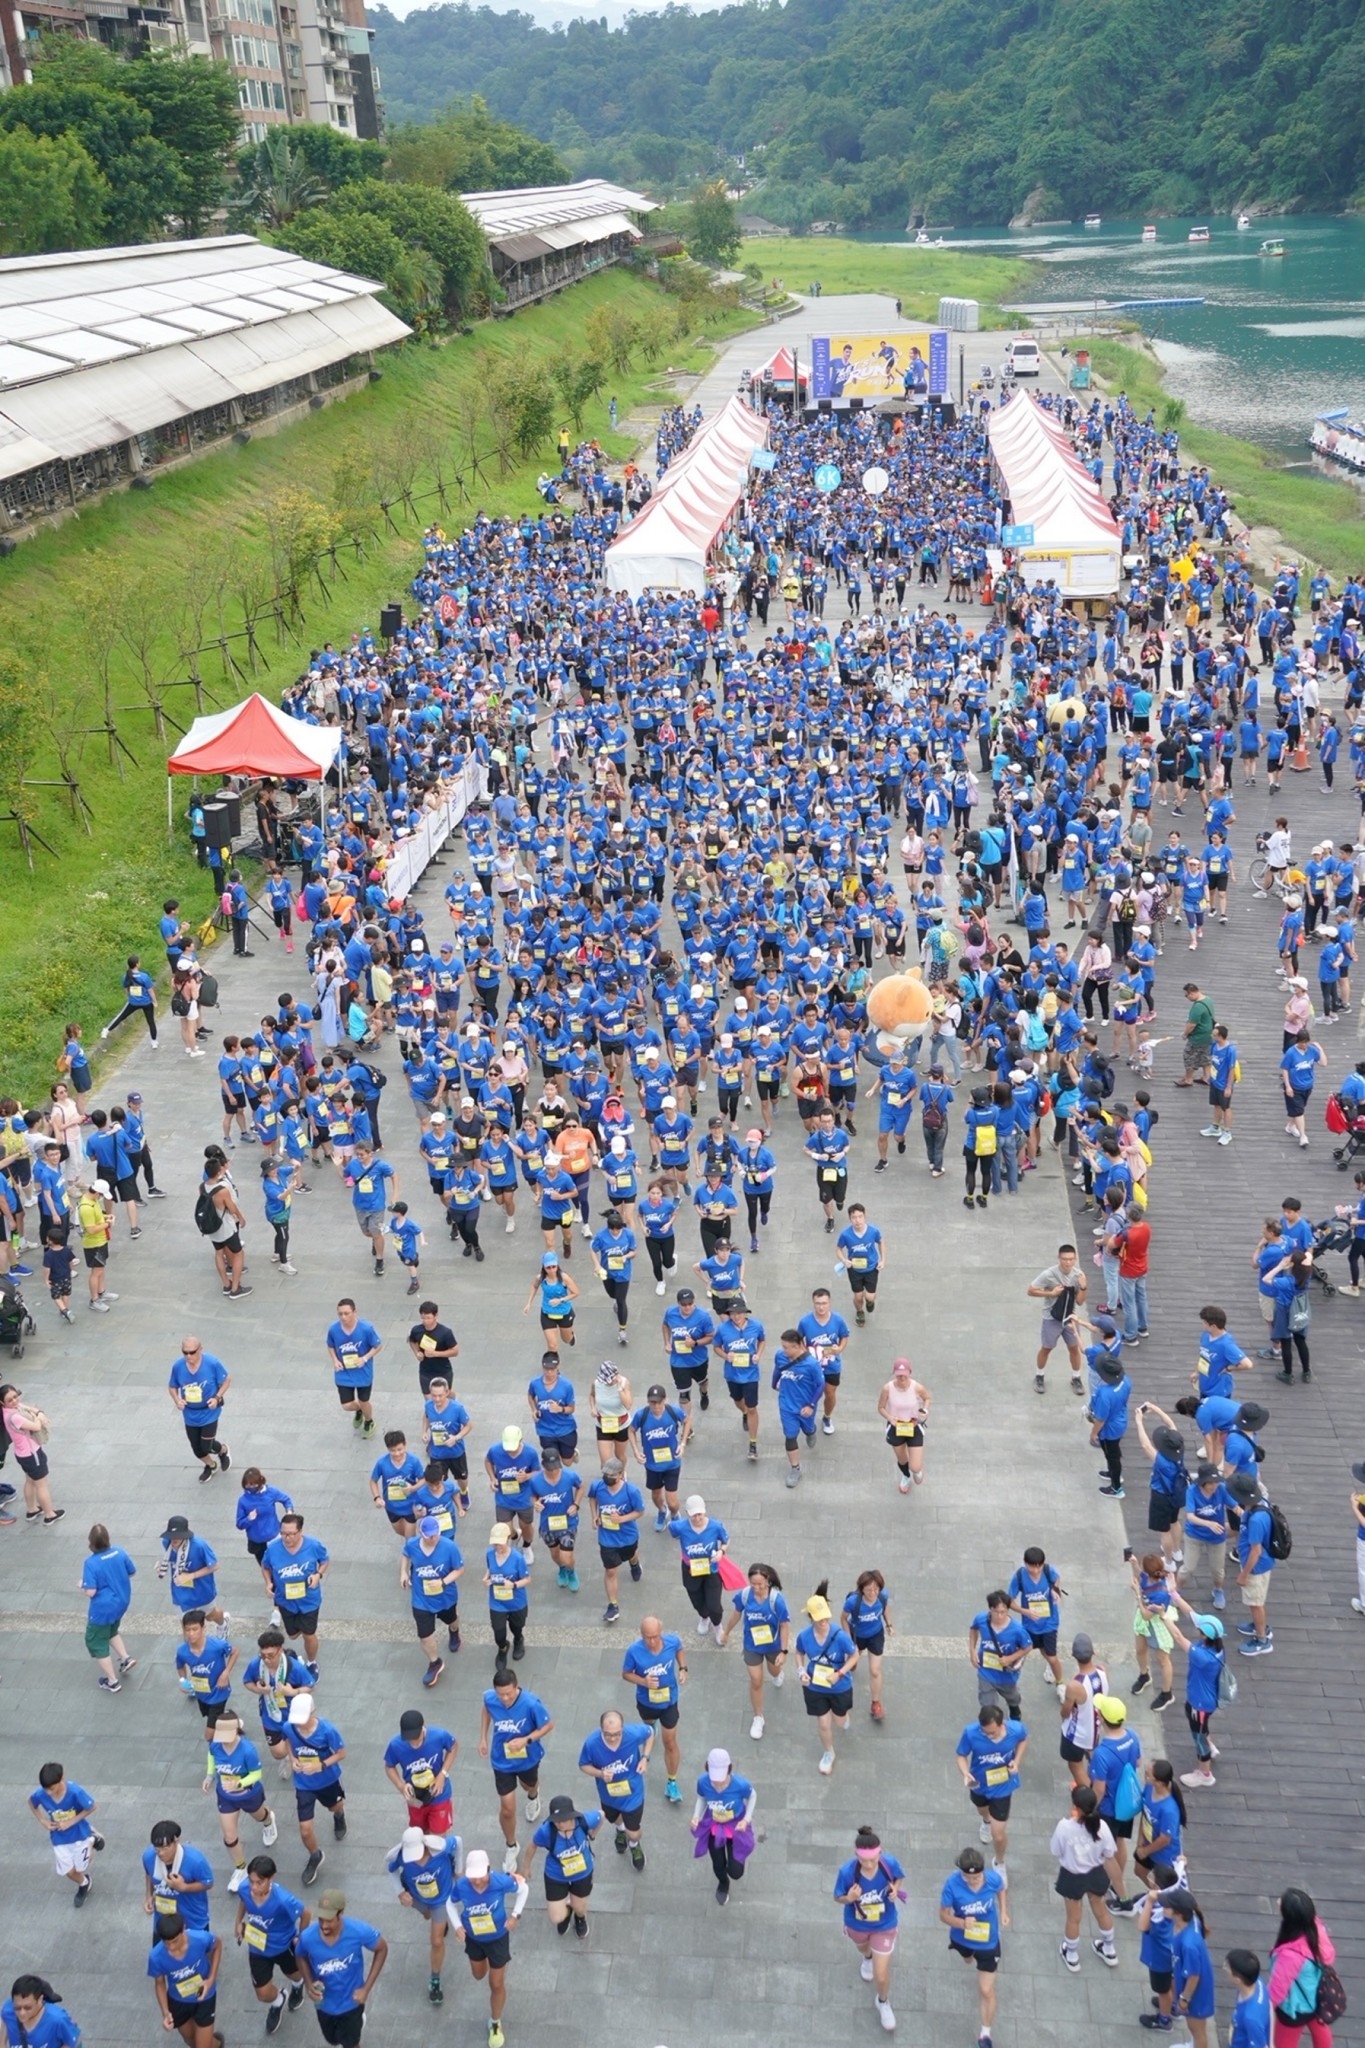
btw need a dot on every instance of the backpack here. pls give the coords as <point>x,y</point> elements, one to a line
<point>207,1215</point>
<point>378,1080</point>
<point>1127,1794</point>
<point>1280,1541</point>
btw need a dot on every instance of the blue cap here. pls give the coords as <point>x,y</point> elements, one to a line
<point>549,1259</point>
<point>428,1526</point>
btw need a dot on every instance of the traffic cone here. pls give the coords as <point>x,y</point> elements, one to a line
<point>1298,760</point>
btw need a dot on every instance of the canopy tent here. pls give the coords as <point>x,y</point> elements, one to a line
<point>667,546</point>
<point>1075,539</point>
<point>256,738</point>
<point>779,369</point>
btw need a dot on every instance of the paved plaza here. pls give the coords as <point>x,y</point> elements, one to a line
<point>665,1964</point>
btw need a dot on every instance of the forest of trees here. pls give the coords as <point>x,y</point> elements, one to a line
<point>859,109</point>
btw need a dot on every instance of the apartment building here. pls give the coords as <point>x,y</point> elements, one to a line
<point>295,60</point>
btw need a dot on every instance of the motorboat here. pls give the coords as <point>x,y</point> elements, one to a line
<point>1197,235</point>
<point>1273,246</point>
<point>1092,220</point>
<point>1243,222</point>
<point>1149,232</point>
<point>1340,438</point>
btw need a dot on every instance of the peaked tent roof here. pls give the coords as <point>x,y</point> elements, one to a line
<point>1049,488</point>
<point>779,368</point>
<point>256,738</point>
<point>666,547</point>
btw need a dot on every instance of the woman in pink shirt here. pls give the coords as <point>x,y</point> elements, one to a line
<point>1302,1948</point>
<point>1298,1011</point>
<point>25,1427</point>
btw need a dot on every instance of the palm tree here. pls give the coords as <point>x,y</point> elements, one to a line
<point>278,183</point>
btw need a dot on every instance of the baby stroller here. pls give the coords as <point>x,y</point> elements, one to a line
<point>1332,1235</point>
<point>15,1321</point>
<point>1345,1120</point>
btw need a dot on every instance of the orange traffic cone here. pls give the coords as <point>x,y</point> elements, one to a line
<point>1298,760</point>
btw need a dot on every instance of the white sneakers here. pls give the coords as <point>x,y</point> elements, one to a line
<point>702,1625</point>
<point>270,1833</point>
<point>533,1808</point>
<point>903,1485</point>
<point>238,1878</point>
<point>756,1727</point>
<point>509,1860</point>
<point>779,1678</point>
<point>826,1763</point>
<point>886,2016</point>
<point>659,1287</point>
<point>985,1831</point>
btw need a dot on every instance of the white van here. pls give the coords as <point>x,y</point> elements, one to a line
<point>1023,357</point>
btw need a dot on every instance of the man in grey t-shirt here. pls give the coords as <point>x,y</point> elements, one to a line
<point>1062,1287</point>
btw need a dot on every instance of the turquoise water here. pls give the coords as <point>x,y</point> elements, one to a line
<point>1278,340</point>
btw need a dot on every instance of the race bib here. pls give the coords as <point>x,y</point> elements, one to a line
<point>255,1936</point>
<point>977,1930</point>
<point>294,1591</point>
<point>822,1677</point>
<point>699,1567</point>
<point>193,1391</point>
<point>660,1695</point>
<point>188,1990</point>
<point>509,1483</point>
<point>482,1925</point>
<point>997,1774</point>
<point>556,1522</point>
<point>573,1863</point>
<point>618,1788</point>
<point>502,1589</point>
<point>760,1634</point>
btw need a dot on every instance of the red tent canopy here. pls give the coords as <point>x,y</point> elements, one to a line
<point>779,369</point>
<point>256,738</point>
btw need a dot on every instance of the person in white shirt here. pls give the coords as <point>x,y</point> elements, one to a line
<point>1087,1868</point>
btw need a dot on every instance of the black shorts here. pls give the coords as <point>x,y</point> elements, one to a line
<point>1046,1643</point>
<point>998,1809</point>
<point>497,1953</point>
<point>662,1717</point>
<point>864,1282</point>
<point>306,1798</point>
<point>1161,1980</point>
<point>837,1703</point>
<point>556,1322</point>
<point>263,1968</point>
<point>426,1618</point>
<point>198,2015</point>
<point>627,1817</point>
<point>231,1243</point>
<point>342,2029</point>
<point>904,1443</point>
<point>349,1395</point>
<point>96,1255</point>
<point>1218,1097</point>
<point>126,1189</point>
<point>665,1479</point>
<point>614,1556</point>
<point>1121,1830</point>
<point>1085,1884</point>
<point>201,1436</point>
<point>508,1781</point>
<point>872,1646</point>
<point>1161,1512</point>
<point>987,1960</point>
<point>299,1621</point>
<point>456,1463</point>
<point>744,1393</point>
<point>556,1890</point>
<point>685,1376</point>
<point>566,1446</point>
<point>1071,1754</point>
<point>835,1190</point>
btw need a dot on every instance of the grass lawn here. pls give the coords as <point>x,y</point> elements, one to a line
<point>919,277</point>
<point>1321,521</point>
<point>139,578</point>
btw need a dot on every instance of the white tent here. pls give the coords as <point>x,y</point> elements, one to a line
<point>667,546</point>
<point>1075,542</point>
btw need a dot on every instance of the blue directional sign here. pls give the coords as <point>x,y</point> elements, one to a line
<point>1016,536</point>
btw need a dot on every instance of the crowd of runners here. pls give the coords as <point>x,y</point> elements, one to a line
<point>633,1042</point>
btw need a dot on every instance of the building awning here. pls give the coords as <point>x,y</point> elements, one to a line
<point>522,248</point>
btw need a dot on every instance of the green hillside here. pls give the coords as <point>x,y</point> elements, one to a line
<point>856,110</point>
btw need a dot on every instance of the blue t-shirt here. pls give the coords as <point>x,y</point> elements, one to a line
<point>623,1782</point>
<point>195,1868</point>
<point>568,1858</point>
<point>66,1814</point>
<point>992,1757</point>
<point>339,1966</point>
<point>270,1928</point>
<point>979,1909</point>
<point>655,1671</point>
<point>110,1573</point>
<point>54,2029</point>
<point>420,1763</point>
<point>351,1347</point>
<point>427,1571</point>
<point>186,1976</point>
<point>291,1570</point>
<point>877,1910</point>
<point>510,1744</point>
<point>1250,2026</point>
<point>483,1914</point>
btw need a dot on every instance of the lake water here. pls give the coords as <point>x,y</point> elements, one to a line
<point>1279,339</point>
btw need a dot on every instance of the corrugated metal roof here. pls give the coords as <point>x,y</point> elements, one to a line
<point>60,311</point>
<point>540,207</point>
<point>170,330</point>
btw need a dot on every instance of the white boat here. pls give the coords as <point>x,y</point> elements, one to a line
<point>1092,220</point>
<point>1273,247</point>
<point>1340,438</point>
<point>1197,235</point>
<point>1149,232</point>
<point>1243,222</point>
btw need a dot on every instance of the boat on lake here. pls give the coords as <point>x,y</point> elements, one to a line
<point>1243,222</point>
<point>1149,232</point>
<point>1092,220</point>
<point>1197,235</point>
<point>1272,247</point>
<point>1340,438</point>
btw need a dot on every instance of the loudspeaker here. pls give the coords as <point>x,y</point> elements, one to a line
<point>217,824</point>
<point>855,405</point>
<point>228,805</point>
<point>7,545</point>
<point>390,621</point>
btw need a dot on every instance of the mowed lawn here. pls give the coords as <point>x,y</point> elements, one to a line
<point>918,277</point>
<point>134,581</point>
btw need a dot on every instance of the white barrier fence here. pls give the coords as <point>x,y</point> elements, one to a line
<point>411,856</point>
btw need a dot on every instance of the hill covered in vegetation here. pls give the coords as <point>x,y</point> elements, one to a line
<point>858,110</point>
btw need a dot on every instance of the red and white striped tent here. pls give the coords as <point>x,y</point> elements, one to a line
<point>666,548</point>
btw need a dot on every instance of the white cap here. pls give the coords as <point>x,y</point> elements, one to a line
<point>413,1845</point>
<point>694,1504</point>
<point>618,1146</point>
<point>718,1766</point>
<point>300,1709</point>
<point>476,1863</point>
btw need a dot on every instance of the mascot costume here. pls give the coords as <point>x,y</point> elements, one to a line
<point>899,1008</point>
